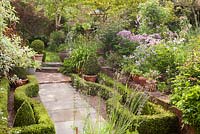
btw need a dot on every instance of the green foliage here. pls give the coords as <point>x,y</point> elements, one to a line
<point>56,39</point>
<point>125,47</point>
<point>155,16</point>
<point>189,105</point>
<point>108,36</point>
<point>91,88</point>
<point>51,57</point>
<point>37,46</point>
<point>68,67</point>
<point>159,61</point>
<point>24,115</point>
<point>114,60</point>
<point>78,58</point>
<point>91,66</point>
<point>32,24</point>
<point>131,68</point>
<point>44,124</point>
<point>186,89</point>
<point>162,86</point>
<point>165,121</point>
<point>12,54</point>
<point>20,72</point>
<point>4,90</point>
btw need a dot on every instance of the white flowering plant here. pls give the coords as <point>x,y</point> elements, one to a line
<point>12,54</point>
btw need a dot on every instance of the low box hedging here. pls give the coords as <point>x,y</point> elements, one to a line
<point>161,122</point>
<point>4,89</point>
<point>154,119</point>
<point>122,89</point>
<point>91,88</point>
<point>24,116</point>
<point>44,124</point>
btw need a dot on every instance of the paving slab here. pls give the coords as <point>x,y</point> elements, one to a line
<point>45,77</point>
<point>64,104</point>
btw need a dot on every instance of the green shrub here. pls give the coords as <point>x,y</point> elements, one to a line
<point>108,35</point>
<point>44,124</point>
<point>186,88</point>
<point>91,66</point>
<point>77,59</point>
<point>153,120</point>
<point>161,122</point>
<point>20,72</point>
<point>51,57</point>
<point>114,60</point>
<point>125,47</point>
<point>122,89</point>
<point>24,115</point>
<point>37,46</point>
<point>155,17</point>
<point>68,67</point>
<point>55,40</point>
<point>92,88</point>
<point>4,89</point>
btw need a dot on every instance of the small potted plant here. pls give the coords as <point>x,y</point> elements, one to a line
<point>131,70</point>
<point>135,74</point>
<point>33,66</point>
<point>38,46</point>
<point>64,53</point>
<point>91,68</point>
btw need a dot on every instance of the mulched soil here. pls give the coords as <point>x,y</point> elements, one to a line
<point>11,111</point>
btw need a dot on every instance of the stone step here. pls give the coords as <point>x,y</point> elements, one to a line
<point>48,69</point>
<point>52,64</point>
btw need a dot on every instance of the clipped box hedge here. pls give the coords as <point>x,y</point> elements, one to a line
<point>44,123</point>
<point>4,90</point>
<point>93,89</point>
<point>160,122</point>
<point>121,88</point>
<point>154,119</point>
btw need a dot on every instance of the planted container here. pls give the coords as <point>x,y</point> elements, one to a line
<point>91,68</point>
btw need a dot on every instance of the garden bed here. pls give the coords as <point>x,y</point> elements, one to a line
<point>43,124</point>
<point>155,120</point>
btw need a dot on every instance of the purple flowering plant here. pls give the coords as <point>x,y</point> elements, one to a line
<point>152,39</point>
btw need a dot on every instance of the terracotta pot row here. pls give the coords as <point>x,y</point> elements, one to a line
<point>142,81</point>
<point>91,78</point>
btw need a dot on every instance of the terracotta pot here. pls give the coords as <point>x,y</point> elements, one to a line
<point>39,57</point>
<point>21,82</point>
<point>139,80</point>
<point>63,55</point>
<point>135,78</point>
<point>91,78</point>
<point>142,81</point>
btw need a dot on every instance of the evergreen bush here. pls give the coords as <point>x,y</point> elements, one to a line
<point>24,116</point>
<point>38,46</point>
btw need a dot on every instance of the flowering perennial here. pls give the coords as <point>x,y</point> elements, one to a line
<point>141,39</point>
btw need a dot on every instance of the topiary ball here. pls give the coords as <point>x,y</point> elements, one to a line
<point>37,46</point>
<point>25,115</point>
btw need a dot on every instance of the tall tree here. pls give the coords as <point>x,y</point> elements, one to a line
<point>55,9</point>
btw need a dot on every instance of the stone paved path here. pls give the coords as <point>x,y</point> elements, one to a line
<point>65,106</point>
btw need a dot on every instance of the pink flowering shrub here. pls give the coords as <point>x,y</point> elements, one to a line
<point>141,39</point>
